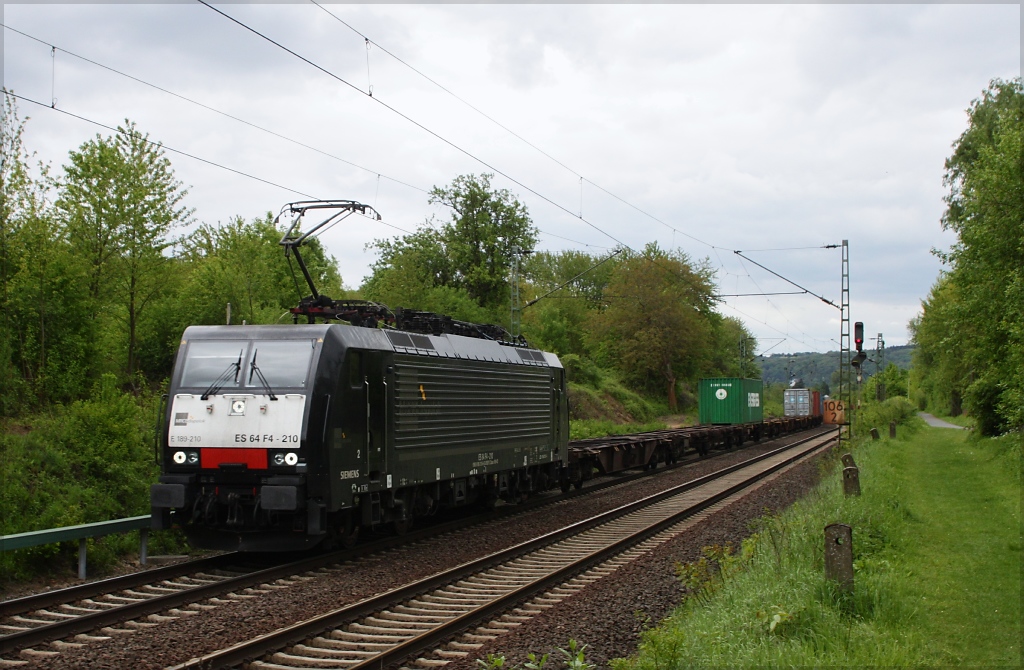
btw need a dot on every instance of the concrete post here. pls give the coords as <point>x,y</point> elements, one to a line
<point>851,481</point>
<point>839,555</point>
<point>848,461</point>
<point>892,429</point>
<point>81,558</point>
<point>144,543</point>
<point>874,433</point>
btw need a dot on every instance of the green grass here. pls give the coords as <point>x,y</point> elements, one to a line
<point>966,557</point>
<point>936,539</point>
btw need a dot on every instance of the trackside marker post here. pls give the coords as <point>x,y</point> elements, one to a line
<point>839,555</point>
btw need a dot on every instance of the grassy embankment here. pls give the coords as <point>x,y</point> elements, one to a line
<point>937,559</point>
<point>600,404</point>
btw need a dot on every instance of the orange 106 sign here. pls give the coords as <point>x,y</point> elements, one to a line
<point>834,411</point>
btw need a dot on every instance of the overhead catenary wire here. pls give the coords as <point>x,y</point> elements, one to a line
<point>212,109</point>
<point>165,147</point>
<point>776,307</point>
<point>823,299</point>
<point>160,144</point>
<point>378,175</point>
<point>368,41</point>
<point>747,295</point>
<point>487,116</point>
<point>413,121</point>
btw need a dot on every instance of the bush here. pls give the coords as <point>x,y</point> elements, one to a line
<point>87,462</point>
<point>879,415</point>
<point>580,370</point>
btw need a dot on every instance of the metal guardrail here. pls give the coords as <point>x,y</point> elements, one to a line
<point>81,533</point>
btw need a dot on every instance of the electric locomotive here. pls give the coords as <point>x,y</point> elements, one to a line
<point>277,437</point>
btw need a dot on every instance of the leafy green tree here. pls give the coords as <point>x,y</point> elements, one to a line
<point>939,376</point>
<point>39,284</point>
<point>119,203</point>
<point>979,308</point>
<point>487,229</point>
<point>656,329</point>
<point>244,263</point>
<point>17,202</point>
<point>463,267</point>
<point>731,353</point>
<point>893,379</point>
<point>556,321</point>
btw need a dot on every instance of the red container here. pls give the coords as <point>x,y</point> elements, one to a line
<point>815,403</point>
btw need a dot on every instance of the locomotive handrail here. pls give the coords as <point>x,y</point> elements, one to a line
<point>82,532</point>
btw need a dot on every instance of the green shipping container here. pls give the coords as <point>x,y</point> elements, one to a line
<point>731,400</point>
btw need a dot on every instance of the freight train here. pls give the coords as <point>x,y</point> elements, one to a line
<point>283,437</point>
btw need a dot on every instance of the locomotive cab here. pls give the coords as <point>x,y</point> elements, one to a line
<point>232,449</point>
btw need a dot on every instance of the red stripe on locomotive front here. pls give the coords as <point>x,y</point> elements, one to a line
<point>255,459</point>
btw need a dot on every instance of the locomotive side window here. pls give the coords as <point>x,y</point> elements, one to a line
<point>284,363</point>
<point>207,360</point>
<point>355,369</point>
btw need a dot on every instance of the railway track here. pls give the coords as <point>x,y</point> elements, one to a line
<point>136,597</point>
<point>99,610</point>
<point>386,630</point>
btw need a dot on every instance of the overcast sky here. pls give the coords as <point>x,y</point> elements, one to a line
<point>707,128</point>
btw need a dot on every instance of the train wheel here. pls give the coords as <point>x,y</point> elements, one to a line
<point>401,526</point>
<point>578,484</point>
<point>565,484</point>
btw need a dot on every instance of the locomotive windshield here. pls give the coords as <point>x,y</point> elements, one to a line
<point>207,360</point>
<point>226,363</point>
<point>283,363</point>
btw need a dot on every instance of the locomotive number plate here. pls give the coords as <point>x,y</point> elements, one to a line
<point>237,421</point>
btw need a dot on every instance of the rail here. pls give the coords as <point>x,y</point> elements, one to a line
<point>82,533</point>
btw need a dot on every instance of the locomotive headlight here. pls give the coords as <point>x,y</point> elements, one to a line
<point>291,458</point>
<point>193,457</point>
<point>278,459</point>
<point>179,457</point>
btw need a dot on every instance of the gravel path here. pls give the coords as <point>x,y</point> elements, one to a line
<point>936,422</point>
<point>602,616</point>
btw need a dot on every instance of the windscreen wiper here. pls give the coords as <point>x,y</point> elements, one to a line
<point>259,374</point>
<point>215,387</point>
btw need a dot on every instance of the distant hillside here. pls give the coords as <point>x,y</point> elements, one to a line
<point>815,369</point>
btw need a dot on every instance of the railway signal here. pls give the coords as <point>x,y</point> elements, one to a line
<point>858,335</point>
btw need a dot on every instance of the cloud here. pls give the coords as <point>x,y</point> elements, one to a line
<point>747,127</point>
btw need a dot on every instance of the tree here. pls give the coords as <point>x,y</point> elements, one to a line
<point>980,304</point>
<point>243,264</point>
<point>37,275</point>
<point>939,374</point>
<point>465,265</point>
<point>732,351</point>
<point>119,204</point>
<point>893,380</point>
<point>488,228</point>
<point>656,326</point>
<point>556,321</point>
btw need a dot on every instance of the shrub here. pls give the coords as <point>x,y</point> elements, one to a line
<point>87,462</point>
